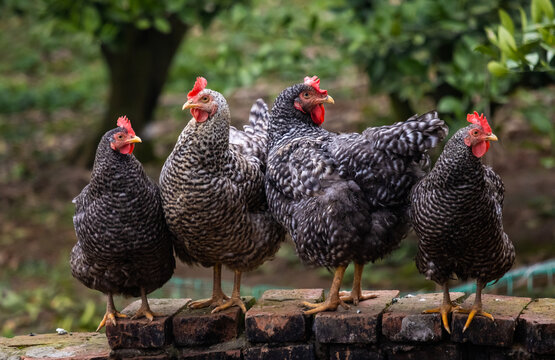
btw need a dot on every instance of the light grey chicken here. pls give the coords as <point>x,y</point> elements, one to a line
<point>213,192</point>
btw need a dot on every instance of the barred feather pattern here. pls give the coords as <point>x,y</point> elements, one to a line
<point>344,197</point>
<point>123,241</point>
<point>253,140</point>
<point>213,195</point>
<point>457,215</point>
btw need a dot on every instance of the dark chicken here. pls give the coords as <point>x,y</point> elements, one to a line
<point>213,192</point>
<point>123,243</point>
<point>457,214</point>
<point>342,197</point>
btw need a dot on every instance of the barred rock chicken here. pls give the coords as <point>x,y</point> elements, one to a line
<point>123,243</point>
<point>213,192</point>
<point>456,213</point>
<point>342,197</point>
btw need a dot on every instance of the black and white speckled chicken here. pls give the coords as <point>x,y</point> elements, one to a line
<point>457,214</point>
<point>123,243</point>
<point>342,197</point>
<point>213,192</point>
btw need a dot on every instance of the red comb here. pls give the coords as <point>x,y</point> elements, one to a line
<point>315,83</point>
<point>479,120</point>
<point>200,84</point>
<point>124,122</point>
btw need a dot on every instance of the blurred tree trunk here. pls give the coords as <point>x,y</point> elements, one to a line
<point>138,67</point>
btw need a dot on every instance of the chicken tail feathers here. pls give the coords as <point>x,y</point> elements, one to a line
<point>417,134</point>
<point>253,140</point>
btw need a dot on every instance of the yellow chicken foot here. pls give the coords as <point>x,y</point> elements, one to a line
<point>333,301</point>
<point>446,307</point>
<point>235,296</point>
<point>218,297</point>
<point>356,293</point>
<point>476,308</point>
<point>111,313</point>
<point>144,310</point>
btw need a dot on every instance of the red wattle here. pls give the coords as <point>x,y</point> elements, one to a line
<point>127,148</point>
<point>199,115</point>
<point>480,149</point>
<point>318,113</point>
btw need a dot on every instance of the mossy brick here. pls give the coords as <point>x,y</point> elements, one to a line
<point>355,352</point>
<point>404,321</point>
<point>279,317</point>
<point>289,352</point>
<point>142,333</point>
<point>196,327</point>
<point>72,346</point>
<point>358,324</point>
<point>482,330</point>
<point>536,326</point>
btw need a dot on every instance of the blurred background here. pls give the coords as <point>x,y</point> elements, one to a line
<point>70,68</point>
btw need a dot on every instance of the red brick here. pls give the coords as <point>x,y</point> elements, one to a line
<point>142,333</point>
<point>404,321</point>
<point>139,354</point>
<point>359,324</point>
<point>193,327</point>
<point>536,325</point>
<point>279,317</point>
<point>290,352</point>
<point>483,331</point>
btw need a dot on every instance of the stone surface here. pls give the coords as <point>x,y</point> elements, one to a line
<point>142,333</point>
<point>483,331</point>
<point>195,327</point>
<point>536,326</point>
<point>353,352</point>
<point>404,321</point>
<point>140,354</point>
<point>444,351</point>
<point>74,346</point>
<point>279,318</point>
<point>359,324</point>
<point>229,350</point>
<point>290,352</point>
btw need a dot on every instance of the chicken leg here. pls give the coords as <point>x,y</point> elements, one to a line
<point>235,296</point>
<point>356,293</point>
<point>144,310</point>
<point>333,301</point>
<point>446,307</point>
<point>111,313</point>
<point>477,307</point>
<point>218,297</point>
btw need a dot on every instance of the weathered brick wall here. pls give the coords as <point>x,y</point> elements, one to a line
<point>276,328</point>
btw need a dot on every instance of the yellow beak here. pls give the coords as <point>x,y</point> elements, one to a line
<point>491,137</point>
<point>134,139</point>
<point>190,105</point>
<point>329,100</point>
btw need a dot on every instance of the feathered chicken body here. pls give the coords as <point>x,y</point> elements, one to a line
<point>213,191</point>
<point>457,214</point>
<point>343,198</point>
<point>123,243</point>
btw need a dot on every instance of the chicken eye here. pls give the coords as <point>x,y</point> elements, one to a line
<point>205,99</point>
<point>119,136</point>
<point>306,95</point>
<point>475,132</point>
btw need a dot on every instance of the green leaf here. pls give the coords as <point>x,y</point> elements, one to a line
<point>507,43</point>
<point>450,104</point>
<point>91,19</point>
<point>547,8</point>
<point>486,50</point>
<point>506,21</point>
<point>491,36</point>
<point>142,24</point>
<point>162,25</point>
<point>536,11</point>
<point>523,19</point>
<point>540,8</point>
<point>497,69</point>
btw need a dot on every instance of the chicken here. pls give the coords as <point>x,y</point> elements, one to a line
<point>123,243</point>
<point>342,197</point>
<point>213,192</point>
<point>457,215</point>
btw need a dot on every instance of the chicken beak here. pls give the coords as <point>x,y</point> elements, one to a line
<point>134,139</point>
<point>491,137</point>
<point>329,100</point>
<point>190,105</point>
